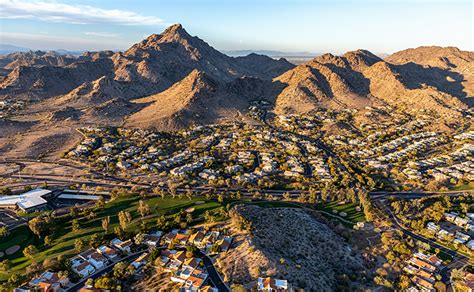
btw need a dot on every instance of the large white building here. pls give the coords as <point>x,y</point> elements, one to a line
<point>33,200</point>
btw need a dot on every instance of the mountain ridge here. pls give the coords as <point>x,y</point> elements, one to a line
<point>175,63</point>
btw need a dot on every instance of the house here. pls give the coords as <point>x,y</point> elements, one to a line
<point>140,261</point>
<point>108,252</point>
<point>49,281</point>
<point>181,238</point>
<point>470,244</point>
<point>94,258</point>
<point>153,239</point>
<point>461,222</point>
<point>443,234</point>
<point>169,237</point>
<point>434,260</point>
<point>191,263</point>
<point>470,226</point>
<point>81,267</point>
<point>270,285</point>
<point>225,243</point>
<point>450,216</point>
<point>165,256</point>
<point>23,289</point>
<point>124,246</point>
<point>195,281</point>
<point>422,265</point>
<point>422,283</point>
<point>461,237</point>
<point>197,239</point>
<point>433,227</point>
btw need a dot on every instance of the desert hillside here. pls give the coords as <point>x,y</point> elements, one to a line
<point>173,80</point>
<point>316,260</point>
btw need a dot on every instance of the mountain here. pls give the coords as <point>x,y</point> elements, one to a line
<point>8,49</point>
<point>451,69</point>
<point>146,68</point>
<point>172,80</point>
<point>198,98</point>
<point>360,78</point>
<point>274,54</point>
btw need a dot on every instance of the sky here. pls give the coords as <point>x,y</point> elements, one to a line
<point>337,26</point>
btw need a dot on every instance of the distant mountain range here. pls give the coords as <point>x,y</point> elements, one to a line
<point>6,49</point>
<point>172,80</point>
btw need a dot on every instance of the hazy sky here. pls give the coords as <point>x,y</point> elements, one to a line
<point>381,26</point>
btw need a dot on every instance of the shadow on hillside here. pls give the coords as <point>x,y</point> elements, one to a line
<point>358,83</point>
<point>414,76</point>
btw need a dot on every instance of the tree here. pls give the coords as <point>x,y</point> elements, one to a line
<point>139,238</point>
<point>75,225</point>
<point>404,282</point>
<point>100,203</point>
<point>124,219</point>
<point>3,231</point>
<point>90,282</point>
<point>143,208</point>
<point>104,283</point>
<point>190,251</point>
<point>6,191</point>
<point>172,188</point>
<point>78,245</point>
<point>38,226</point>
<point>189,218</point>
<point>95,240</point>
<point>30,251</point>
<point>5,266</point>
<point>161,222</point>
<point>313,196</point>
<point>120,270</point>
<point>118,232</point>
<point>208,217</point>
<point>48,240</point>
<point>106,223</point>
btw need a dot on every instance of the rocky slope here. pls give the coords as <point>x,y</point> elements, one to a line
<point>197,98</point>
<point>288,243</point>
<point>358,79</point>
<point>147,68</point>
<point>172,79</point>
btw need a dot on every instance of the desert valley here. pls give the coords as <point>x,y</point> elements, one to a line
<point>173,166</point>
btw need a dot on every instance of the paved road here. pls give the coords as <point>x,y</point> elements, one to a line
<point>214,276</point>
<point>458,259</point>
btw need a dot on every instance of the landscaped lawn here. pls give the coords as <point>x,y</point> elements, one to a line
<point>64,237</point>
<point>462,188</point>
<point>350,209</point>
<point>274,204</point>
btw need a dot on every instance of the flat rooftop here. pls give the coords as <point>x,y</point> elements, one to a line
<point>26,200</point>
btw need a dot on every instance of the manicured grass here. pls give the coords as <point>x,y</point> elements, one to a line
<point>64,237</point>
<point>462,188</point>
<point>350,209</point>
<point>273,204</point>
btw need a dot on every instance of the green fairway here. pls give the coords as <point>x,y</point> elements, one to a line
<point>64,237</point>
<point>275,204</point>
<point>350,209</point>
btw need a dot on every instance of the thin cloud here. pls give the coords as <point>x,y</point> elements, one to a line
<point>68,13</point>
<point>102,34</point>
